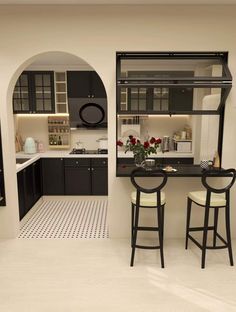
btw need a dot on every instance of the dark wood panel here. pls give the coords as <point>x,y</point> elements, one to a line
<point>77,181</point>
<point>53,176</point>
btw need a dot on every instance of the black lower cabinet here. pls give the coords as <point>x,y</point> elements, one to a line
<point>99,176</point>
<point>77,181</point>
<point>21,195</point>
<point>77,176</point>
<point>29,187</point>
<point>53,176</point>
<point>85,176</point>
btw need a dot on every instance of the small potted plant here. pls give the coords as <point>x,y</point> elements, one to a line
<point>140,150</point>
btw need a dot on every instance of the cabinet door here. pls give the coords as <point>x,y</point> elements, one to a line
<point>21,195</point>
<point>22,94</point>
<point>77,181</point>
<point>138,99</point>
<point>53,176</point>
<point>181,99</point>
<point>99,180</point>
<point>37,186</point>
<point>99,174</point>
<point>43,90</point>
<point>97,89</point>
<point>28,188</point>
<point>78,84</point>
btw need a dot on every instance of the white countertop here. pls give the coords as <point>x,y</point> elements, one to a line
<point>52,154</point>
<point>172,154</point>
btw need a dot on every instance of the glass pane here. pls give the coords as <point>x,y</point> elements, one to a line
<point>156,104</point>
<point>142,105</point>
<point>61,108</point>
<point>157,93</point>
<point>24,95</point>
<point>47,105</point>
<point>39,95</point>
<point>38,80</point>
<point>16,95</point>
<point>24,80</point>
<point>17,89</point>
<point>39,89</point>
<point>47,95</point>
<point>39,105</point>
<point>134,104</point>
<point>142,93</point>
<point>164,105</point>
<point>172,68</point>
<point>17,105</point>
<point>25,105</point>
<point>24,89</point>
<point>46,80</point>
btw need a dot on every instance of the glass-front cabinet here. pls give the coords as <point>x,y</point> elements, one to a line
<point>172,82</point>
<point>34,93</point>
<point>178,97</point>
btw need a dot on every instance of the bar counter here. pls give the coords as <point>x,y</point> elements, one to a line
<point>183,170</point>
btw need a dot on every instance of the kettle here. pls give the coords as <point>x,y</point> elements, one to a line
<point>30,146</point>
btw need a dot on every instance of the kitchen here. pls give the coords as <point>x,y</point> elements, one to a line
<point>61,154</point>
<point>111,29</point>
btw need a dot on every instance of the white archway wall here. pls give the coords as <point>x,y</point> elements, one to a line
<point>95,34</point>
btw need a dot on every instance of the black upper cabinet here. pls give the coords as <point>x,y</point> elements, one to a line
<point>34,93</point>
<point>53,176</point>
<point>159,99</point>
<point>85,84</point>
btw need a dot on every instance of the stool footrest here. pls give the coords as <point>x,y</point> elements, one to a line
<point>200,228</point>
<point>147,228</point>
<point>147,247</point>
<point>209,247</point>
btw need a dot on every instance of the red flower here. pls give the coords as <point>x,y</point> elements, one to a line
<point>131,137</point>
<point>158,141</point>
<point>146,144</point>
<point>152,140</point>
<point>133,141</point>
<point>119,143</point>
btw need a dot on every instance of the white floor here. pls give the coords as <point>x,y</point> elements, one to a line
<point>67,275</point>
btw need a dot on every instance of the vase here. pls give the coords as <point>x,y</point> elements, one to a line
<point>139,159</point>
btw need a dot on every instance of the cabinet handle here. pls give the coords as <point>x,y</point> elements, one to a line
<point>88,169</point>
<point>61,159</point>
<point>92,169</point>
<point>89,95</point>
<point>92,95</point>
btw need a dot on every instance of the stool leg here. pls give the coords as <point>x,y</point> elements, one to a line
<point>228,234</point>
<point>189,205</point>
<point>163,218</point>
<point>216,213</point>
<point>134,238</point>
<point>160,226</point>
<point>132,221</point>
<point>204,240</point>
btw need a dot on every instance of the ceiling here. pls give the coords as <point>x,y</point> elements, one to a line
<point>112,2</point>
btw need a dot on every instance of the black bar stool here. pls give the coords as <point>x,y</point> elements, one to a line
<point>211,198</point>
<point>147,198</point>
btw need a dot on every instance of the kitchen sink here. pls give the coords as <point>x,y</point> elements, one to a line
<point>21,160</point>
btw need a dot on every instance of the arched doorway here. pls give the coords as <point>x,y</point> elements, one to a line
<point>31,121</point>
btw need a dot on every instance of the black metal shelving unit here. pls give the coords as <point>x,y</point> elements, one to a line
<point>166,79</point>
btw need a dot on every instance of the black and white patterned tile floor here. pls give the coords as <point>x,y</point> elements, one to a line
<point>77,219</point>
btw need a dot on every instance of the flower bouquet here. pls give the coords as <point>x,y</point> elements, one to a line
<point>139,149</point>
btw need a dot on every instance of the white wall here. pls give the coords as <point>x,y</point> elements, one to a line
<point>95,34</point>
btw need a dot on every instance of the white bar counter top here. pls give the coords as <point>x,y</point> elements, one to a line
<point>52,154</point>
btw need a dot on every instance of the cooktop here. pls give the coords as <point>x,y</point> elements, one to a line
<point>84,151</point>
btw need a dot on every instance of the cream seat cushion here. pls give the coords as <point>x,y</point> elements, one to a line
<point>200,198</point>
<point>149,200</point>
